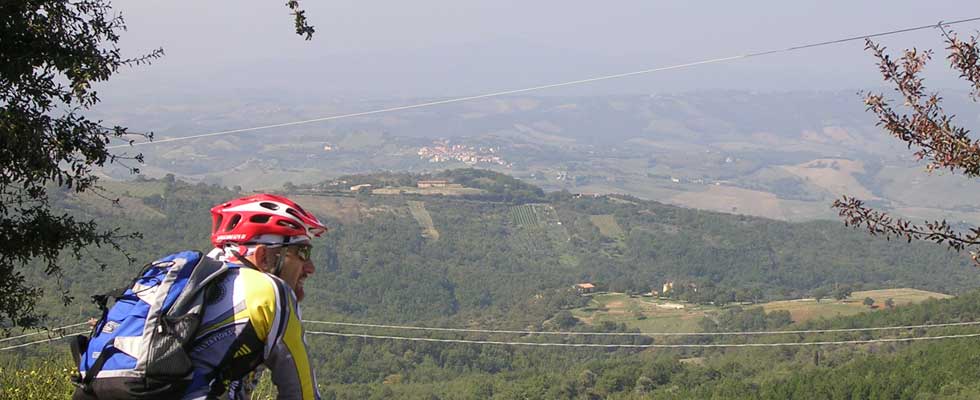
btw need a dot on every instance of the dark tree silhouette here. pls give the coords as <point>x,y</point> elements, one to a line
<point>303,28</point>
<point>924,126</point>
<point>890,303</point>
<point>820,293</point>
<point>868,301</point>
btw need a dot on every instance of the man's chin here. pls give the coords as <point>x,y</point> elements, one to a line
<point>299,293</point>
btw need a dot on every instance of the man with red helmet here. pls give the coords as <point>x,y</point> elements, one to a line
<point>251,315</point>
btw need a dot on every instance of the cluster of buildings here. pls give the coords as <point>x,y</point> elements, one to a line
<point>422,184</point>
<point>443,152</point>
<point>668,287</point>
<point>698,181</point>
<point>427,184</point>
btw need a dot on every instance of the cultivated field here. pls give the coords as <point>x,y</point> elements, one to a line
<point>539,229</point>
<point>646,314</point>
<point>417,208</point>
<point>607,226</point>
<point>654,315</point>
<point>445,191</point>
<point>732,200</point>
<point>133,189</point>
<point>130,207</point>
<point>805,309</point>
<point>346,209</point>
<point>130,195</point>
<point>834,175</point>
<point>525,215</point>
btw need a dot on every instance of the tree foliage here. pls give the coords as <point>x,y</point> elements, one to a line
<point>374,266</point>
<point>842,292</point>
<point>488,267</point>
<point>53,52</point>
<point>934,135</point>
<point>303,27</point>
<point>383,369</point>
<point>820,293</point>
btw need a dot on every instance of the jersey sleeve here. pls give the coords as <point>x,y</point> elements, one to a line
<point>285,348</point>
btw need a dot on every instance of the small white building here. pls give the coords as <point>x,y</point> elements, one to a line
<point>584,287</point>
<point>432,184</point>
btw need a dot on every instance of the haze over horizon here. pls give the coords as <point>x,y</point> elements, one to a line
<point>230,66</point>
<point>437,48</point>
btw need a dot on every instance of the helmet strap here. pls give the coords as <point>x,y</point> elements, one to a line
<point>244,260</point>
<point>282,256</point>
<point>279,261</point>
<point>277,268</point>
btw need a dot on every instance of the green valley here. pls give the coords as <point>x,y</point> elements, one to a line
<point>507,257</point>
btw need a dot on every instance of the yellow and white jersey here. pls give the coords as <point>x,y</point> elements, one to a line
<point>250,319</point>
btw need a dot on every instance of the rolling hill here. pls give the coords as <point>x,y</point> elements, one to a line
<point>763,154</point>
<point>506,259</point>
<point>417,257</point>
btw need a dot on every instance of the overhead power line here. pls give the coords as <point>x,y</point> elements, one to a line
<point>40,332</point>
<point>569,333</point>
<point>649,346</point>
<point>550,86</point>
<point>17,346</point>
<point>463,330</point>
<point>599,345</point>
<point>554,333</point>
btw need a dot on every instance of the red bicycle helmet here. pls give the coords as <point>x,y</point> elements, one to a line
<point>262,218</point>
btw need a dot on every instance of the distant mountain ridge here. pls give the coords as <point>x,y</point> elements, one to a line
<point>730,151</point>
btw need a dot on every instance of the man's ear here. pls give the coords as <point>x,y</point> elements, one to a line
<point>261,252</point>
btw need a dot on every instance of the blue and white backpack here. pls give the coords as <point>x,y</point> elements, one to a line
<point>138,350</point>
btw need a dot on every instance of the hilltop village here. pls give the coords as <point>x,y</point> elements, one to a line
<point>443,151</point>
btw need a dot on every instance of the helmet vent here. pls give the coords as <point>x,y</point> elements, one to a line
<point>268,205</point>
<point>233,223</point>
<point>294,213</point>
<point>260,218</point>
<point>217,224</point>
<point>288,224</point>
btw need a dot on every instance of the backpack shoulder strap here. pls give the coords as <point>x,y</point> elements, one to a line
<point>206,271</point>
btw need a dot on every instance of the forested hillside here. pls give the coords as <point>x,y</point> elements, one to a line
<point>381,369</point>
<point>514,258</point>
<point>507,259</point>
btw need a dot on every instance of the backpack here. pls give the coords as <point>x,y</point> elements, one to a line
<point>138,349</point>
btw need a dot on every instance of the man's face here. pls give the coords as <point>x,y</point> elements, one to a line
<point>296,267</point>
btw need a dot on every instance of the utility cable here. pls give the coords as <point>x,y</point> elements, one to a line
<point>648,346</point>
<point>951,324</point>
<point>552,85</point>
<point>568,333</point>
<point>40,332</point>
<point>432,103</point>
<point>41,341</point>
<point>638,346</point>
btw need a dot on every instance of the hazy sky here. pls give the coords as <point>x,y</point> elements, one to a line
<point>419,48</point>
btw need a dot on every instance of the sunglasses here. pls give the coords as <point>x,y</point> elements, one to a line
<point>303,252</point>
